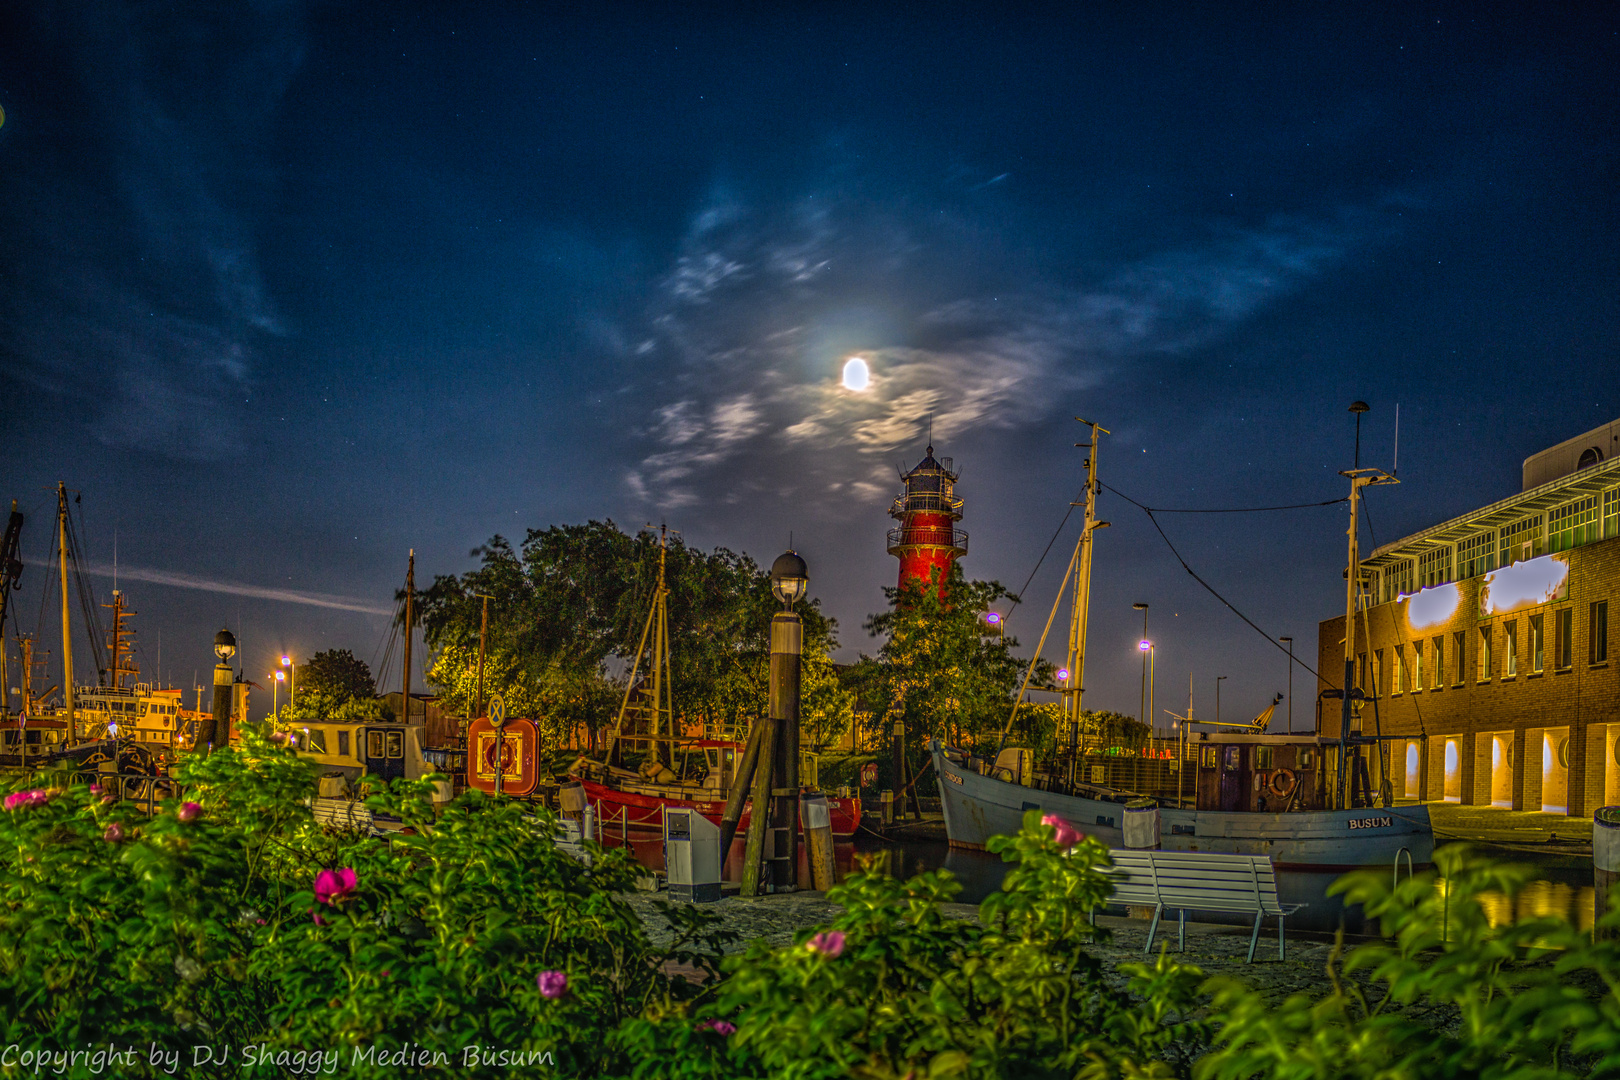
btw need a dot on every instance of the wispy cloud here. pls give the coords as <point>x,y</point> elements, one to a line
<point>152,311</point>
<point>751,329</point>
<point>180,580</point>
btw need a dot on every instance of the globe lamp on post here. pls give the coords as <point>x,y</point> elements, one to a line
<point>292,677</point>
<point>216,731</point>
<point>778,761</point>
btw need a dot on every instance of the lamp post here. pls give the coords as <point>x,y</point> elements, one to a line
<point>292,677</point>
<point>1290,643</point>
<point>778,756</point>
<point>1143,647</point>
<point>1218,679</point>
<point>276,679</point>
<point>218,732</point>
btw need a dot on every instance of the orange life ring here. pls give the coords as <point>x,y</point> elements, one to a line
<point>1282,783</point>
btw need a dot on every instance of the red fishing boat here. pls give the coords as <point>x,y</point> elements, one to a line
<point>638,799</point>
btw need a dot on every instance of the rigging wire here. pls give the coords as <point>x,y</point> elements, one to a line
<point>1274,642</point>
<point>1072,503</point>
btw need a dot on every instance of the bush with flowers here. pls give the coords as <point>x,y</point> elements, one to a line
<point>232,917</point>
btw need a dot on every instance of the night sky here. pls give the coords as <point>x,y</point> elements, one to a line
<point>286,291</point>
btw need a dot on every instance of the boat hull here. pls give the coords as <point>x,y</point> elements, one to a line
<point>645,813</point>
<point>1322,842</point>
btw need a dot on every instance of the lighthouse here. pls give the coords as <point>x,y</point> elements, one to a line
<point>928,510</point>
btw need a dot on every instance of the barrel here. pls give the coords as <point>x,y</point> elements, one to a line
<point>1605,865</point>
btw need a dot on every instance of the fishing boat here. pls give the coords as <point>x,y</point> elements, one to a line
<point>1253,793</point>
<point>679,772</point>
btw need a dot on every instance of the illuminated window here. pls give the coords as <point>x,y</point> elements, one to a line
<point>1519,541</point>
<point>1400,669</point>
<point>1474,555</point>
<point>1439,662</point>
<point>1510,654</point>
<point>1537,644</point>
<point>1564,637</point>
<point>316,742</point>
<point>1417,666</point>
<point>1210,758</point>
<point>1263,757</point>
<point>1459,642</point>
<point>1434,567</point>
<point>1574,524</point>
<point>1397,579</point>
<point>1597,631</point>
<point>396,744</point>
<point>1485,654</point>
<point>374,746</point>
<point>1611,512</point>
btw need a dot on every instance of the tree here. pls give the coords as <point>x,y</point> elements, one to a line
<point>567,612</point>
<point>336,675</point>
<point>942,669</point>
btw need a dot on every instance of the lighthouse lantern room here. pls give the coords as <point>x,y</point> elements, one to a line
<point>928,510</point>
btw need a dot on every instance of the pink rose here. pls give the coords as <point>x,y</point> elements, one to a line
<point>719,1027</point>
<point>114,833</point>
<point>188,812</point>
<point>552,984</point>
<point>317,917</point>
<point>1067,834</point>
<point>27,800</point>
<point>334,886</point>
<point>95,789</point>
<point>829,943</point>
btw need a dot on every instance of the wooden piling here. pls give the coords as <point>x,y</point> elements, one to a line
<point>737,797</point>
<point>819,837</point>
<point>754,852</point>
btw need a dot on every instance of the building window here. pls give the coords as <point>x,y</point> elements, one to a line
<point>1564,637</point>
<point>1439,662</point>
<point>1611,512</point>
<point>1520,541</point>
<point>1459,642</point>
<point>1263,757</point>
<point>1434,567</point>
<point>316,740</point>
<point>1574,524</point>
<point>1474,556</point>
<point>1397,579</point>
<point>1485,654</point>
<point>1417,666</point>
<point>1400,670</point>
<point>1597,628</point>
<point>1510,652</point>
<point>1537,644</point>
<point>343,744</point>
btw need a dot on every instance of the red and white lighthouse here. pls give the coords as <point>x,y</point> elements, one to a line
<point>928,539</point>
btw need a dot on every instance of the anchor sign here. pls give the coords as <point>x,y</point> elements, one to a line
<point>497,711</point>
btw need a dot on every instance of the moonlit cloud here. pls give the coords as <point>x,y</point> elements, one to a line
<point>755,306</point>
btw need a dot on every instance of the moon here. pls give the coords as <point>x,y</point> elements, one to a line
<point>857,376</point>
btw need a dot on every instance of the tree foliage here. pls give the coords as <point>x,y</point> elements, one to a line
<point>567,613</point>
<point>942,669</point>
<point>330,680</point>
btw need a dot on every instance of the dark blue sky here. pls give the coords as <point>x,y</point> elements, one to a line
<point>290,290</point>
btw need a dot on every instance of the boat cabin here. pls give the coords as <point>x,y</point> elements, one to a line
<point>146,714</point>
<point>370,748</point>
<point>21,743</point>
<point>1259,773</point>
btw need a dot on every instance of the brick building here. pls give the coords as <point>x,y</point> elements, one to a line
<point>1483,644</point>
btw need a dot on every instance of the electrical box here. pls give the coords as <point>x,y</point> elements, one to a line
<point>692,856</point>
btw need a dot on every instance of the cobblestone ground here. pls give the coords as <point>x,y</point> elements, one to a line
<point>1222,950</point>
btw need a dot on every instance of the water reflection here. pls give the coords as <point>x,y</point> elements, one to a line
<point>1542,899</point>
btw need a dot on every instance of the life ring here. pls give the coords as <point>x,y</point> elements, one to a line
<point>1282,783</point>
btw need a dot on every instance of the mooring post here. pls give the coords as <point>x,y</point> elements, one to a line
<point>786,645</point>
<point>754,852</point>
<point>737,797</point>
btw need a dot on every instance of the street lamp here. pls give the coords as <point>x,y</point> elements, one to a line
<point>995,619</point>
<point>1218,679</point>
<point>276,679</point>
<point>292,677</point>
<point>1290,643</point>
<point>790,579</point>
<point>1144,646</point>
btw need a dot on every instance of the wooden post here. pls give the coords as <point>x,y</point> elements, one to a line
<point>818,835</point>
<point>787,634</point>
<point>902,770</point>
<point>738,795</point>
<point>888,807</point>
<point>754,853</point>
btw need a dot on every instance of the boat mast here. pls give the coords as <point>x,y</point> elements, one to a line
<point>1349,721</point>
<point>410,599</point>
<point>1075,686</point>
<point>67,639</point>
<point>657,628</point>
<point>116,645</point>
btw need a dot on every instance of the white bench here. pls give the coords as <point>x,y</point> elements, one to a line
<point>350,815</point>
<point>1183,881</point>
